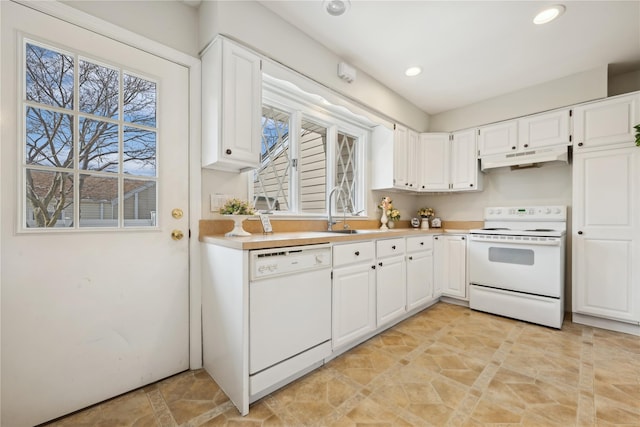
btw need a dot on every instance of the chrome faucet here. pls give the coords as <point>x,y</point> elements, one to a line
<point>330,221</point>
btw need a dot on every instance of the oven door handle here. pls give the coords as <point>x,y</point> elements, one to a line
<point>517,240</point>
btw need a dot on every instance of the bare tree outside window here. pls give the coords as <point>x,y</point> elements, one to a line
<point>100,138</point>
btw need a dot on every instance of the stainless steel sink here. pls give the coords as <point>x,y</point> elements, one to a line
<point>347,231</point>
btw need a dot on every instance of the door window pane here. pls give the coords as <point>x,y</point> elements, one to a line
<point>48,76</point>
<point>98,201</point>
<point>49,138</point>
<point>139,153</point>
<point>139,101</point>
<point>98,145</point>
<point>98,90</point>
<point>313,167</point>
<point>48,199</point>
<point>139,203</point>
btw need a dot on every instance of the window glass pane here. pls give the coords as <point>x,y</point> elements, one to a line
<point>48,199</point>
<point>313,167</point>
<point>49,138</point>
<point>98,89</point>
<point>98,201</point>
<point>346,172</point>
<point>48,76</point>
<point>139,203</point>
<point>139,154</point>
<point>98,146</point>
<point>139,101</point>
<point>271,179</point>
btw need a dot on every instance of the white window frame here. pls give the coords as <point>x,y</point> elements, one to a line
<point>300,104</point>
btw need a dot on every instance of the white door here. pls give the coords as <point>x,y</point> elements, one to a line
<point>391,289</point>
<point>606,199</point>
<point>464,160</point>
<point>94,288</point>
<point>435,151</point>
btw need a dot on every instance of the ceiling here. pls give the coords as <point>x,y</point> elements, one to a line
<point>470,50</point>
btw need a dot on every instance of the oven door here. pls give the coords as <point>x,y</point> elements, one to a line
<point>515,263</point>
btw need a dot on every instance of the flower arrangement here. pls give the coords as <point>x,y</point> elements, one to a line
<point>237,207</point>
<point>426,212</point>
<point>387,206</point>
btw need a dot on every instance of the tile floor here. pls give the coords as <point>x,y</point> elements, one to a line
<point>445,366</point>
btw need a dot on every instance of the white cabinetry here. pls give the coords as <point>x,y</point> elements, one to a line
<point>498,138</point>
<point>525,134</point>
<point>606,123</point>
<point>395,160</point>
<point>606,229</point>
<point>354,292</point>
<point>419,271</point>
<point>544,130</point>
<point>434,152</point>
<point>449,161</point>
<point>450,262</point>
<point>390,280</point>
<point>231,106</point>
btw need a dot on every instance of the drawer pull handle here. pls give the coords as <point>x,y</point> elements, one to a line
<point>380,264</point>
<point>228,151</point>
<point>421,243</point>
<point>373,267</point>
<point>580,144</point>
<point>579,232</point>
<point>410,258</point>
<point>393,247</point>
<point>357,253</point>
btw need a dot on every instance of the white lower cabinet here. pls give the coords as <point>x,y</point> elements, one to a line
<point>419,271</point>
<point>354,292</point>
<point>390,280</point>
<point>450,261</point>
<point>606,234</point>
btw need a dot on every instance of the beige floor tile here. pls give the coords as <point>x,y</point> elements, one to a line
<point>446,366</point>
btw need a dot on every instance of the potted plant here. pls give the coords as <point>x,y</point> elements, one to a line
<point>637,128</point>
<point>238,210</point>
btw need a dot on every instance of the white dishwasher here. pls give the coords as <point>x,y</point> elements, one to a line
<point>289,314</point>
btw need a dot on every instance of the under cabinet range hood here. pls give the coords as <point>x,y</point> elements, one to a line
<point>526,159</point>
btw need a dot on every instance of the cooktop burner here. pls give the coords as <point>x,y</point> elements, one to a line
<point>541,229</point>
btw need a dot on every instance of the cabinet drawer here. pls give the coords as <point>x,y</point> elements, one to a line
<point>419,243</point>
<point>353,252</point>
<point>390,247</point>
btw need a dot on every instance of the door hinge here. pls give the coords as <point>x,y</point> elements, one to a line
<point>261,65</point>
<point>189,233</point>
<point>570,138</point>
<point>332,275</point>
<point>570,113</point>
<point>394,126</point>
<point>294,163</point>
<point>478,132</point>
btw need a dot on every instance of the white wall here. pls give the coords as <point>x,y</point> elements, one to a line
<point>573,89</point>
<point>171,23</point>
<point>257,27</point>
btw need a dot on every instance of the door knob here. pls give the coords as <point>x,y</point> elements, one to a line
<point>177,213</point>
<point>177,234</point>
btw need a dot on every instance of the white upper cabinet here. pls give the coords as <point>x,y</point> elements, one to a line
<point>606,123</point>
<point>231,107</point>
<point>449,161</point>
<point>434,156</point>
<point>498,138</point>
<point>394,158</point>
<point>544,130</point>
<point>464,161</point>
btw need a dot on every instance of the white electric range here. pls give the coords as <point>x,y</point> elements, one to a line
<point>517,263</point>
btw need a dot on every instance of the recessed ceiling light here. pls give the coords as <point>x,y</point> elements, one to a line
<point>412,71</point>
<point>336,7</point>
<point>549,14</point>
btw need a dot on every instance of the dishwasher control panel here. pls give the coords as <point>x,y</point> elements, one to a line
<point>281,261</point>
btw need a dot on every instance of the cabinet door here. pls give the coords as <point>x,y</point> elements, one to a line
<point>498,138</point>
<point>544,130</point>
<point>392,289</point>
<point>606,123</point>
<point>419,278</point>
<point>450,263</point>
<point>242,105</point>
<point>464,161</point>
<point>354,303</point>
<point>606,224</point>
<point>411,160</point>
<point>434,149</point>
<point>400,153</point>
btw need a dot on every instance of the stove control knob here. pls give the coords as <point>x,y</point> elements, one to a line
<point>557,211</point>
<point>498,211</point>
<point>547,211</point>
<point>490,211</point>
